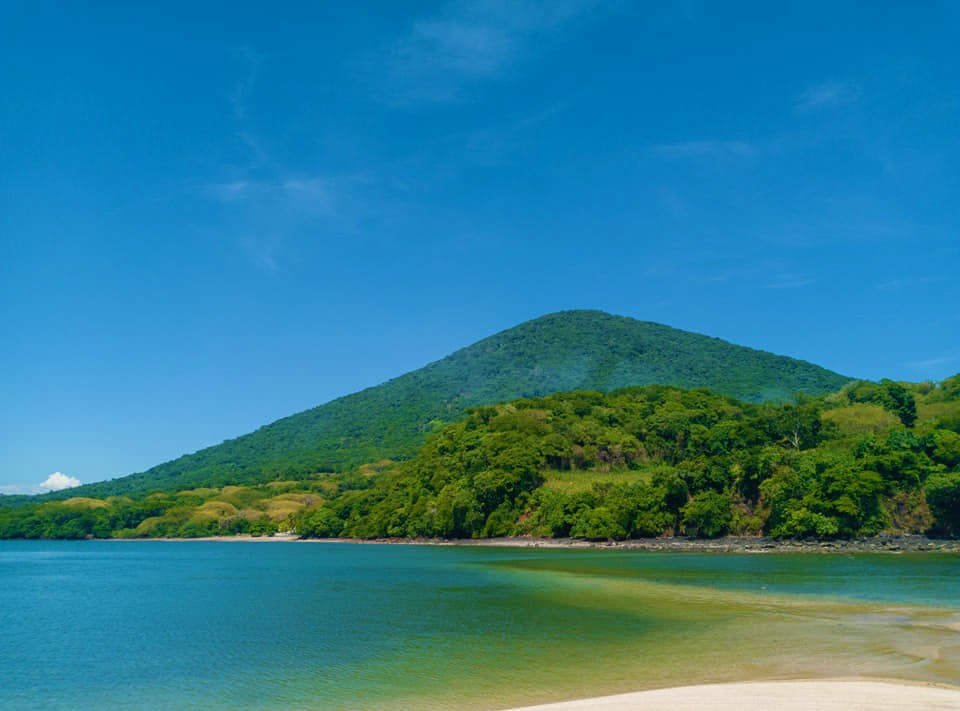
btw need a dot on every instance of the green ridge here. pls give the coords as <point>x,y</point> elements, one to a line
<point>570,350</point>
<point>645,461</point>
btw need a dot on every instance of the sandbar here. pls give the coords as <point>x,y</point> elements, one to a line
<point>819,695</point>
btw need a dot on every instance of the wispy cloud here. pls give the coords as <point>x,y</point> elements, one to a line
<point>467,42</point>
<point>507,141</point>
<point>937,367</point>
<point>934,362</point>
<point>264,206</point>
<point>312,195</point>
<point>243,88</point>
<point>706,149</point>
<point>270,214</point>
<point>715,265</point>
<point>673,203</point>
<point>895,284</point>
<point>263,249</point>
<point>233,191</point>
<point>820,96</point>
<point>14,490</point>
<point>790,282</point>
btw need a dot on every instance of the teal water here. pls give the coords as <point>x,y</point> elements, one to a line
<point>92,625</point>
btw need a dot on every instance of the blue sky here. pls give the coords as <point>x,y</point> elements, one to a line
<point>217,214</point>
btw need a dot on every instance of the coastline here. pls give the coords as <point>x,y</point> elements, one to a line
<point>729,544</point>
<point>821,694</point>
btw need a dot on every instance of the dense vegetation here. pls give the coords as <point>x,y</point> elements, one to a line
<point>636,462</point>
<point>565,351</point>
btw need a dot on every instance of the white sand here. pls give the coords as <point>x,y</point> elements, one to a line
<point>828,695</point>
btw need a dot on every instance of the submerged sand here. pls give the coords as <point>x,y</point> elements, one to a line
<point>820,695</point>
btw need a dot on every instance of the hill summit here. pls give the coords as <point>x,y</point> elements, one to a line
<point>569,350</point>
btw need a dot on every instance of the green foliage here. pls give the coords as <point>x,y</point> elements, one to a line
<point>485,475</point>
<point>186,514</point>
<point>322,523</point>
<point>894,397</point>
<point>947,390</point>
<point>943,495</point>
<point>901,402</point>
<point>637,462</point>
<point>709,514</point>
<point>860,419</point>
<point>822,494</point>
<point>560,352</point>
<point>597,524</point>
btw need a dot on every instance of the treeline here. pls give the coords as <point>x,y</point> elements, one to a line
<point>230,510</point>
<point>658,461</point>
<point>639,462</point>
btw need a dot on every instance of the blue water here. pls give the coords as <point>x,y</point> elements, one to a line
<point>93,625</point>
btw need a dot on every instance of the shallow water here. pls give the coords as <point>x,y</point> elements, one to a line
<point>87,625</point>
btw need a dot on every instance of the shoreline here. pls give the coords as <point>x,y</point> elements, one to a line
<point>729,544</point>
<point>843,694</point>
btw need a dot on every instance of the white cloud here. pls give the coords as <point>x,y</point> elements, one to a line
<point>820,96</point>
<point>57,482</point>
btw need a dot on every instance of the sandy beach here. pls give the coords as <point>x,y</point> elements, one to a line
<point>821,695</point>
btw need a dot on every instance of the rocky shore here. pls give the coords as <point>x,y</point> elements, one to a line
<point>879,544</point>
<point>729,544</point>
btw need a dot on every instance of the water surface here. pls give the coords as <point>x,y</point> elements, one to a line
<point>90,625</point>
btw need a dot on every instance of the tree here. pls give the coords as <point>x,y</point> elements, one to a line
<point>597,524</point>
<point>799,425</point>
<point>708,515</point>
<point>900,402</point>
<point>943,495</point>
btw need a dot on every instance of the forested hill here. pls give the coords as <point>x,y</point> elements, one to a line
<point>570,350</point>
<point>640,462</point>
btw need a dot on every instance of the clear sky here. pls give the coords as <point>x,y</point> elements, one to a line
<point>213,215</point>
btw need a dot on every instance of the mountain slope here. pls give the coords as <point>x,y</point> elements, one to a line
<point>571,350</point>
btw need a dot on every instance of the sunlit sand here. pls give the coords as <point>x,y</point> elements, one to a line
<point>827,695</point>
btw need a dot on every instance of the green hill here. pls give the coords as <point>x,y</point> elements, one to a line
<point>639,462</point>
<point>571,350</point>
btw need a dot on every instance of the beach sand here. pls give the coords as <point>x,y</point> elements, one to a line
<point>822,695</point>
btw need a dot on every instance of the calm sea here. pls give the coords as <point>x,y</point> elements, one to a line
<point>247,625</point>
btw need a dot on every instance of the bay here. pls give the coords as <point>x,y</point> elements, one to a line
<point>259,625</point>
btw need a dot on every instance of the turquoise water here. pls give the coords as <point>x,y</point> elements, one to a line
<point>92,625</point>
